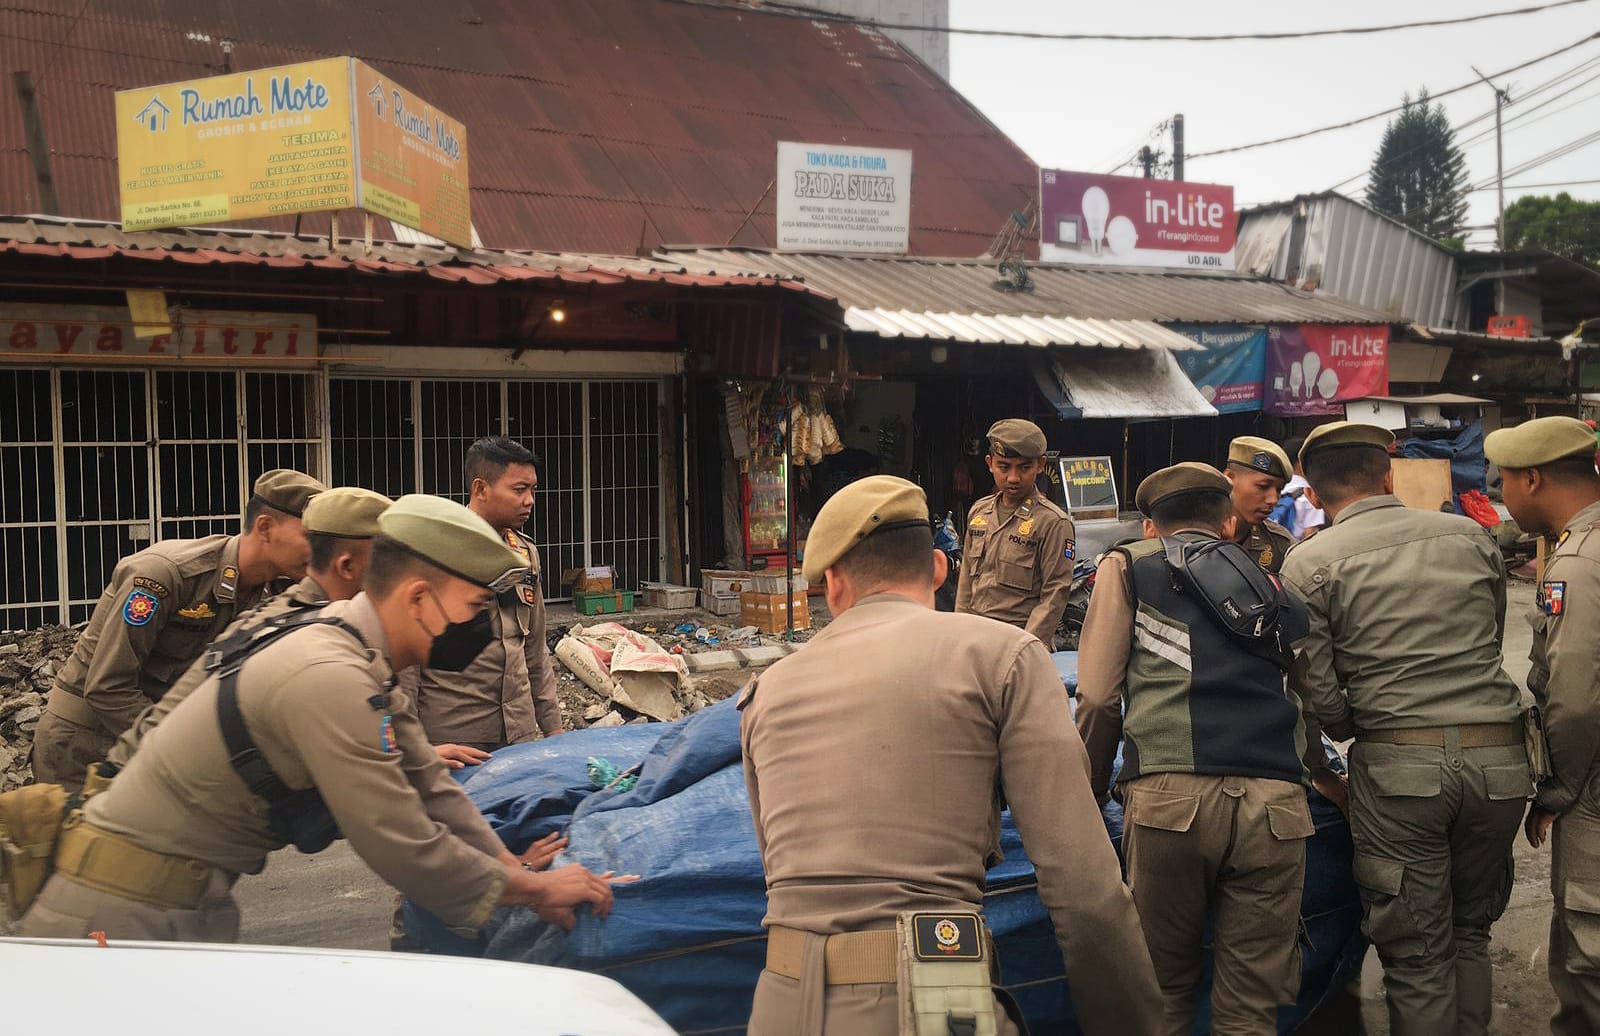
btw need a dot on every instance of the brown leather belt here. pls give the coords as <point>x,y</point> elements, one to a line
<point>1472,735</point>
<point>852,958</point>
<point>104,861</point>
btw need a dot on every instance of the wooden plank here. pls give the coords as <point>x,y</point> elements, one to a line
<point>1423,484</point>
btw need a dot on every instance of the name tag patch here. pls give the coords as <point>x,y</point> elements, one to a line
<point>947,937</point>
<point>1552,597</point>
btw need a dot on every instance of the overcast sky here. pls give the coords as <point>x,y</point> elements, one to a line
<point>1088,106</point>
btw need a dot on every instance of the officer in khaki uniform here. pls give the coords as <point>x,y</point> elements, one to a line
<point>1016,564</point>
<point>340,525</point>
<point>154,855</point>
<point>1407,613</point>
<point>966,714</point>
<point>1257,471</point>
<point>508,694</point>
<point>1550,486</point>
<point>163,606</point>
<point>1212,775</point>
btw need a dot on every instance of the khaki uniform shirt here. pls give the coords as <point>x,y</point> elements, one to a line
<point>1407,613</point>
<point>315,703</point>
<point>508,694</point>
<point>899,809</point>
<point>308,593</point>
<point>1268,543</point>
<point>163,606</point>
<point>1018,570</point>
<point>1565,678</point>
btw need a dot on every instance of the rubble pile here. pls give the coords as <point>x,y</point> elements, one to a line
<point>28,664</point>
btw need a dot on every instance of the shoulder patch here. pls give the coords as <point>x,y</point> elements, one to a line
<point>1552,598</point>
<point>140,608</point>
<point>1070,550</point>
<point>146,583</point>
<point>386,738</point>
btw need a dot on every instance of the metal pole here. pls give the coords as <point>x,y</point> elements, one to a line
<point>38,151</point>
<point>1501,97</point>
<point>1177,146</point>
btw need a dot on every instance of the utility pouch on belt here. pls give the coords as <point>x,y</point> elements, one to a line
<point>945,985</point>
<point>30,827</point>
<point>1538,747</point>
<point>1241,598</point>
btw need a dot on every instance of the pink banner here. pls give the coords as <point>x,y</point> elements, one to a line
<point>1313,369</point>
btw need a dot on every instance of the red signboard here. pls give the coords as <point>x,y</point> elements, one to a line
<point>1312,369</point>
<point>1132,221</point>
<point>1510,327</point>
<point>38,332</point>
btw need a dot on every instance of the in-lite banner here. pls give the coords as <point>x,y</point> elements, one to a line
<point>843,199</point>
<point>1312,369</point>
<point>313,137</point>
<point>1231,369</point>
<point>1132,221</point>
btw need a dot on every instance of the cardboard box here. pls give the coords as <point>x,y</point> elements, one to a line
<point>724,605</point>
<point>773,582</point>
<point>721,582</point>
<point>769,613</point>
<point>598,579</point>
<point>667,596</point>
<point>587,602</point>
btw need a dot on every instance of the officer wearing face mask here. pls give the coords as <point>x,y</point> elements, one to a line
<point>297,737</point>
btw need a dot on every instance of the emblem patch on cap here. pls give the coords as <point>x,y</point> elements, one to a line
<point>139,608</point>
<point>1552,598</point>
<point>1261,461</point>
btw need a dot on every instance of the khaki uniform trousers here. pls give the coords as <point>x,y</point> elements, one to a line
<point>64,750</point>
<point>1234,849</point>
<point>808,1007</point>
<point>1433,829</point>
<point>66,909</point>
<point>1575,924</point>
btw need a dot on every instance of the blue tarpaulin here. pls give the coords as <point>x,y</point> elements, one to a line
<point>1464,452</point>
<point>687,938</point>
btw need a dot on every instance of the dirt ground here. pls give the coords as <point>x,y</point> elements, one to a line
<point>333,900</point>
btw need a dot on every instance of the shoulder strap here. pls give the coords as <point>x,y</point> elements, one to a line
<point>243,755</point>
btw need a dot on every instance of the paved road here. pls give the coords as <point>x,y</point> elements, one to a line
<point>333,900</point>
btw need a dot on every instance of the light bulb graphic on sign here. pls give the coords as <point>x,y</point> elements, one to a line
<point>1096,207</point>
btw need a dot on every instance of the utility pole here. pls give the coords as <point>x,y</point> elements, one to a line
<point>1502,97</point>
<point>1147,158</point>
<point>1177,146</point>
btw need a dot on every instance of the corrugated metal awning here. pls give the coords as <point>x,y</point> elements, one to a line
<point>1141,385</point>
<point>994,329</point>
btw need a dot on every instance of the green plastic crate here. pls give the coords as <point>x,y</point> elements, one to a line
<point>605,602</point>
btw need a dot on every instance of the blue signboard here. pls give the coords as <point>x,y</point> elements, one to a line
<point>1232,368</point>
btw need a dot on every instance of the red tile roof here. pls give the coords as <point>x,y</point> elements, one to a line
<point>594,125</point>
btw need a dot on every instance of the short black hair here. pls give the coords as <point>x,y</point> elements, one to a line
<point>1344,472</point>
<point>1187,510</point>
<point>258,506</point>
<point>392,563</point>
<point>489,457</point>
<point>1292,445</point>
<point>903,555</point>
<point>326,548</point>
<point>1570,470</point>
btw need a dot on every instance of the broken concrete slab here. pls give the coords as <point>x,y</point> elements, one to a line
<point>712,661</point>
<point>610,719</point>
<point>764,655</point>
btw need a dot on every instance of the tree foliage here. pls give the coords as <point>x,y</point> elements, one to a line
<point>1563,225</point>
<point>1419,175</point>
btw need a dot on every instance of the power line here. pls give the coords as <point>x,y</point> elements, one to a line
<point>1540,186</point>
<point>1525,96</point>
<point>792,10</point>
<point>1388,111</point>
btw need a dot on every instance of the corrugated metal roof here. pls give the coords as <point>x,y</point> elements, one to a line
<point>962,300</point>
<point>1143,385</point>
<point>1351,251</point>
<point>42,236</point>
<point>592,125</point>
